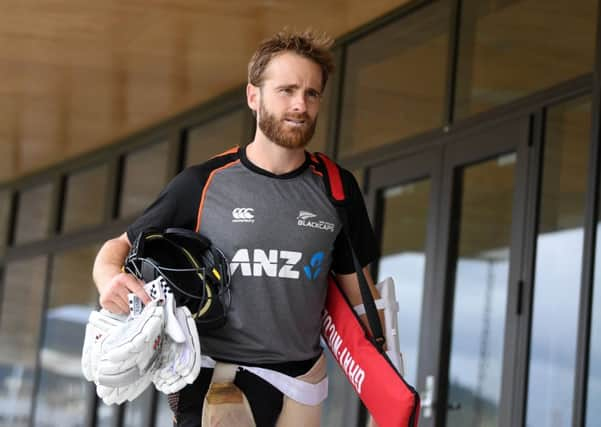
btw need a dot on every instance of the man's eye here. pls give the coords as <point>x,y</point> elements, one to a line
<point>313,94</point>
<point>287,91</point>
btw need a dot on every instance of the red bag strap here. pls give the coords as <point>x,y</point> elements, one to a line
<point>334,180</point>
<point>336,193</point>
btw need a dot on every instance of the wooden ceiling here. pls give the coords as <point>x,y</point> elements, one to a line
<point>75,76</point>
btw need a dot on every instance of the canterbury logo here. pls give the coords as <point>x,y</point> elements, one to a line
<point>243,215</point>
<point>305,215</point>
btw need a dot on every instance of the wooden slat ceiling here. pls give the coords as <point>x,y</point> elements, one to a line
<point>75,76</point>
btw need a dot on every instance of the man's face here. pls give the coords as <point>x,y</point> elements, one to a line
<point>288,100</point>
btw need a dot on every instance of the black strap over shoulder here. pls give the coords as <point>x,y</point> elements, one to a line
<point>337,194</point>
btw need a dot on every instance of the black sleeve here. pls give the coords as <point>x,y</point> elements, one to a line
<point>360,230</point>
<point>176,205</point>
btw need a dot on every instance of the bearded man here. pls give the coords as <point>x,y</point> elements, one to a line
<point>265,206</point>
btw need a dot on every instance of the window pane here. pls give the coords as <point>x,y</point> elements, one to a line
<point>5,205</point>
<point>509,49</point>
<point>85,198</point>
<point>320,138</point>
<point>405,214</point>
<point>22,301</point>
<point>63,392</point>
<point>33,217</point>
<point>214,137</point>
<point>557,276</point>
<point>481,285</point>
<point>106,415</point>
<point>593,404</point>
<point>164,416</point>
<point>339,409</point>
<point>138,410</point>
<point>395,80</point>
<point>144,177</point>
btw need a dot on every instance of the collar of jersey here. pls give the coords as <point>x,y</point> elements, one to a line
<point>287,175</point>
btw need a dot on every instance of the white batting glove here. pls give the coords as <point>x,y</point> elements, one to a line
<point>133,349</point>
<point>118,395</point>
<point>100,325</point>
<point>180,358</point>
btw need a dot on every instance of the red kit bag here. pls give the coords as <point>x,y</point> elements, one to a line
<point>388,398</point>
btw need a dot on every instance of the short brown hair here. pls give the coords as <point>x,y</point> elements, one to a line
<point>310,44</point>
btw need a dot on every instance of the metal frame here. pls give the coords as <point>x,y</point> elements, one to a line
<point>42,336</point>
<point>590,244</point>
<point>335,112</point>
<point>453,62</point>
<point>436,140</point>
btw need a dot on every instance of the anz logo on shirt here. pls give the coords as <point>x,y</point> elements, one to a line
<point>275,263</point>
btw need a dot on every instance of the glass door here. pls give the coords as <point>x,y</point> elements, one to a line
<point>451,226</point>
<point>479,267</point>
<point>402,195</point>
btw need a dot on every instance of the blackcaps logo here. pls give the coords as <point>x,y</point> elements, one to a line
<point>305,219</point>
<point>314,268</point>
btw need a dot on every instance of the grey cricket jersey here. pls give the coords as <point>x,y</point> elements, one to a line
<point>281,235</point>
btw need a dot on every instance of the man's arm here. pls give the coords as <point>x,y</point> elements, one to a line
<point>113,284</point>
<point>350,286</point>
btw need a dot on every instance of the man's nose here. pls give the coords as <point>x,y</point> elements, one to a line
<point>299,103</point>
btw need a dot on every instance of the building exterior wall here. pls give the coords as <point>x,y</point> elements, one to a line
<point>474,130</point>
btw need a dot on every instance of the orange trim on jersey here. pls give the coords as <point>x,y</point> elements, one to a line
<point>206,187</point>
<point>230,151</point>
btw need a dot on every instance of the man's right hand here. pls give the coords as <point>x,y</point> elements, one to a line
<point>113,284</point>
<point>113,295</point>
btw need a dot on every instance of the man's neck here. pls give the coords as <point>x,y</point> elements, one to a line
<point>274,158</point>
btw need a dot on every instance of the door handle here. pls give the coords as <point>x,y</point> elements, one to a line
<point>453,406</point>
<point>427,400</point>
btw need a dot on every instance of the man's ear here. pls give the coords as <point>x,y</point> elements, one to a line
<point>252,97</point>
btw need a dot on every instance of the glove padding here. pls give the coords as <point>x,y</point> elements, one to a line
<point>180,358</point>
<point>133,349</point>
<point>157,343</point>
<point>118,395</point>
<point>99,327</point>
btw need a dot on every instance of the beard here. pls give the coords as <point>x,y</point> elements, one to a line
<point>283,134</point>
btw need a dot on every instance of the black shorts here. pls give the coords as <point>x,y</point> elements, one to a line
<point>265,400</point>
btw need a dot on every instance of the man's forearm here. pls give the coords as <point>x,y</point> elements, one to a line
<point>350,286</point>
<point>109,260</point>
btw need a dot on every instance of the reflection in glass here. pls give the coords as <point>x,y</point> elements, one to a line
<point>106,415</point>
<point>404,221</point>
<point>593,404</point>
<point>395,79</point>
<point>5,205</point>
<point>137,411</point>
<point>85,198</point>
<point>144,177</point>
<point>338,407</point>
<point>20,317</point>
<point>164,415</point>
<point>481,283</point>
<point>509,49</point>
<point>558,266</point>
<point>215,136</point>
<point>63,392</point>
<point>33,216</point>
